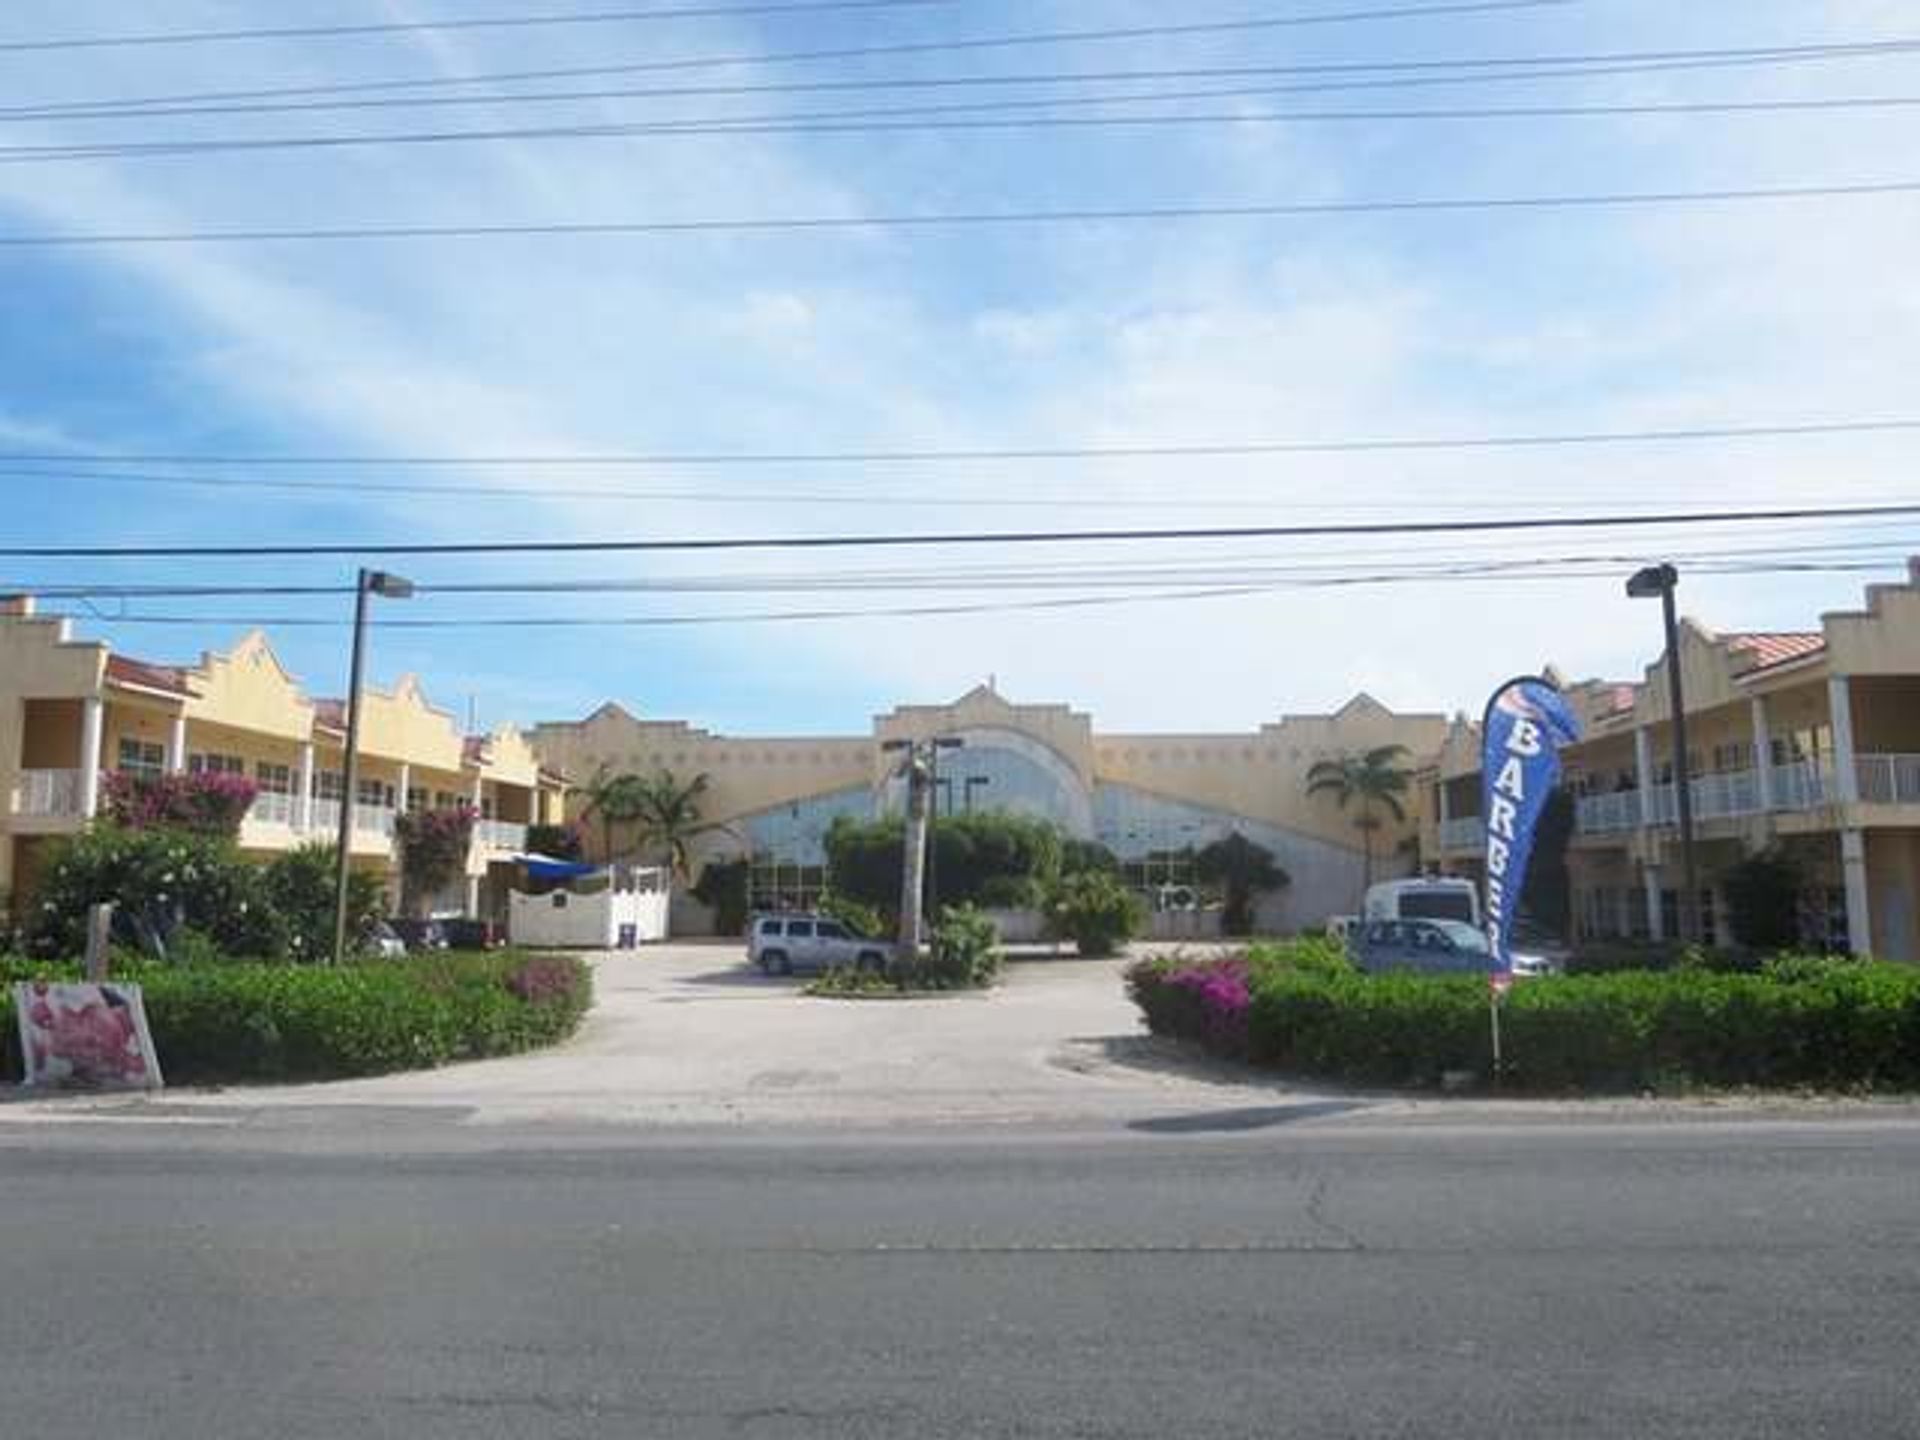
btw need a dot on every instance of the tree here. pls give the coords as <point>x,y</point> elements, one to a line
<point>433,845</point>
<point>1244,870</point>
<point>1095,911</point>
<point>1763,900</point>
<point>614,798</point>
<point>669,820</point>
<point>1374,781</point>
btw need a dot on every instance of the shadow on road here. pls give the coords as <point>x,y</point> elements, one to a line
<point>1245,1117</point>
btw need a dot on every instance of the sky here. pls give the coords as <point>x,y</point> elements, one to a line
<point>1094,334</point>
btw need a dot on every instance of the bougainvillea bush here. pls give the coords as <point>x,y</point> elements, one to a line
<point>201,804</point>
<point>433,849</point>
<point>1209,999</point>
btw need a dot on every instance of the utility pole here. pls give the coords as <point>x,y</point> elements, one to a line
<point>389,587</point>
<point>913,870</point>
<point>1663,580</point>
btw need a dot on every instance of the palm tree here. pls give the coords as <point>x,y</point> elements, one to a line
<point>669,819</point>
<point>1244,870</point>
<point>1375,781</point>
<point>614,798</point>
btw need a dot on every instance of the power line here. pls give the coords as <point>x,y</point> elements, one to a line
<point>1482,69</point>
<point>786,224</point>
<point>954,538</point>
<point>955,117</point>
<point>1555,66</point>
<point>482,22</point>
<point>1175,450</point>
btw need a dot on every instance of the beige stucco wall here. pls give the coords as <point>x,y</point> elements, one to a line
<point>1882,639</point>
<point>402,725</point>
<point>248,689</point>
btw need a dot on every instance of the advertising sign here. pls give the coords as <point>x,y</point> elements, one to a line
<point>1527,724</point>
<point>85,1037</point>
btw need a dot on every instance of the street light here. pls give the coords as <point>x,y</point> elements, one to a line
<point>934,782</point>
<point>1662,581</point>
<point>387,587</point>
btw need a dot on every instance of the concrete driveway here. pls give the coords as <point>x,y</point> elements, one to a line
<point>687,1034</point>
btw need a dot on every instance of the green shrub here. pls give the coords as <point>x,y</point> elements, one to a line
<point>723,889</point>
<point>965,954</point>
<point>1763,900</point>
<point>247,1022</point>
<point>1095,911</point>
<point>159,881</point>
<point>863,920</point>
<point>1831,1025</point>
<point>299,886</point>
<point>986,857</point>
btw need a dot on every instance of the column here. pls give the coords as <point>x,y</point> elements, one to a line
<point>1656,918</point>
<point>177,745</point>
<point>1643,773</point>
<point>93,739</point>
<point>1762,753</point>
<point>473,897</point>
<point>1846,774</point>
<point>406,784</point>
<point>1853,862</point>
<point>303,801</point>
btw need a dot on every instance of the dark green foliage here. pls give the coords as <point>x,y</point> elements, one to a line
<point>1095,911</point>
<point>557,842</point>
<point>722,888</point>
<point>987,857</point>
<point>865,921</point>
<point>1244,871</point>
<point>965,953</point>
<point>1763,900</point>
<point>241,1022</point>
<point>1803,1021</point>
<point>298,887</point>
<point>159,882</point>
<point>1077,855</point>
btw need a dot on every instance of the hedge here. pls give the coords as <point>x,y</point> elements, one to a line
<point>1798,1023</point>
<point>224,1023</point>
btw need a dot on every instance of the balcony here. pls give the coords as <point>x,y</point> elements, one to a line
<point>1469,832</point>
<point>1608,814</point>
<point>49,794</point>
<point>1888,779</point>
<point>500,835</point>
<point>271,808</point>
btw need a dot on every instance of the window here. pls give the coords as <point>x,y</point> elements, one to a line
<point>830,931</point>
<point>329,785</point>
<point>1730,757</point>
<point>143,757</point>
<point>376,792</point>
<point>274,779</point>
<point>416,798</point>
<point>799,929</point>
<point>445,800</point>
<point>216,765</point>
<point>770,927</point>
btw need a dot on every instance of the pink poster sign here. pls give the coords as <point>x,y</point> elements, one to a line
<point>85,1037</point>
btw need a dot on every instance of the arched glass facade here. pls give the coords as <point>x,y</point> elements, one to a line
<point>1007,771</point>
<point>788,847</point>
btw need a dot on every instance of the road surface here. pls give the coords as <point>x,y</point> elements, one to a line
<point>1297,1270</point>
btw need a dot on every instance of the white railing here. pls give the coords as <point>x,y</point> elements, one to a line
<point>1608,814</point>
<point>1468,832</point>
<point>272,808</point>
<point>500,835</point>
<point>325,817</point>
<point>1727,794</point>
<point>374,819</point>
<point>1888,779</point>
<point>1802,785</point>
<point>50,793</point>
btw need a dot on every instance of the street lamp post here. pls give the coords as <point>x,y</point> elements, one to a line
<point>974,782</point>
<point>934,781</point>
<point>387,587</point>
<point>1663,580</point>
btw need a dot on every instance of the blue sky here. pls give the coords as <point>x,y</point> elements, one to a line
<point>1551,320</point>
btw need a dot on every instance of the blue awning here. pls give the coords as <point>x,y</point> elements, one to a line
<point>545,867</point>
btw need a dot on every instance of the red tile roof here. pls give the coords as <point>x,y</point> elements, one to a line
<point>474,749</point>
<point>1776,647</point>
<point>125,670</point>
<point>331,713</point>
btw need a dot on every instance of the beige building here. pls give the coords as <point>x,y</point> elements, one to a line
<point>72,711</point>
<point>1808,739</point>
<point>1154,799</point>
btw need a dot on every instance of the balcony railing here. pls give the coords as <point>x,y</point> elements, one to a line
<point>52,793</point>
<point>272,808</point>
<point>1468,832</point>
<point>1608,814</point>
<point>500,835</point>
<point>373,819</point>
<point>1888,779</point>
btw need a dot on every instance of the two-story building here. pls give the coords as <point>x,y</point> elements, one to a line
<point>72,711</point>
<point>1808,740</point>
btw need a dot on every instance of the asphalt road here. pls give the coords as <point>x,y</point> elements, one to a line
<point>1291,1272</point>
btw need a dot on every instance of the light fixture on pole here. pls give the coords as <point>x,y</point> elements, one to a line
<point>1646,584</point>
<point>387,587</point>
<point>934,782</point>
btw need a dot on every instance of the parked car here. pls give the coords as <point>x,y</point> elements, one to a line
<point>467,934</point>
<point>419,935</point>
<point>1430,947</point>
<point>783,944</point>
<point>1431,897</point>
<point>382,940</point>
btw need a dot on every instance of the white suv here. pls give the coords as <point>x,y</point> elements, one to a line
<point>782,944</point>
